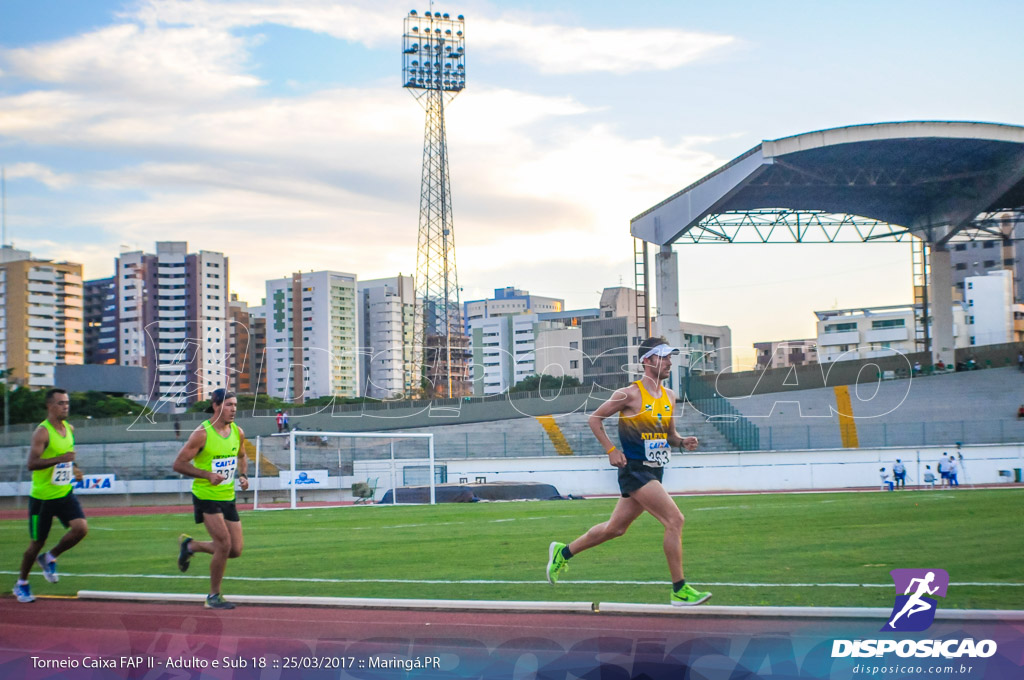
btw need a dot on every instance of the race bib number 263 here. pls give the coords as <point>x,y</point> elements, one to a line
<point>657,451</point>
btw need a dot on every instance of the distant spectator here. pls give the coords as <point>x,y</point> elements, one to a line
<point>929,476</point>
<point>177,426</point>
<point>917,368</point>
<point>280,421</point>
<point>953,469</point>
<point>886,482</point>
<point>1020,411</point>
<point>971,364</point>
<point>941,366</point>
<point>899,473</point>
<point>944,469</point>
<point>1020,360</point>
<point>284,420</point>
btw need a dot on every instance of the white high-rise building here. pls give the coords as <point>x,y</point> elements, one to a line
<point>387,309</point>
<point>509,349</point>
<point>991,311</point>
<point>312,336</point>
<point>869,332</point>
<point>172,319</point>
<point>509,301</point>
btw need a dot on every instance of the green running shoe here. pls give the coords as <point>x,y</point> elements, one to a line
<point>556,563</point>
<point>687,596</point>
<point>184,554</point>
<point>217,602</point>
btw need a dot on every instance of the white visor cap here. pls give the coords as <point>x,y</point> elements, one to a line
<point>662,350</point>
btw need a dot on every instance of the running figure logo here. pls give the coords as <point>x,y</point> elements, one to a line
<point>914,610</point>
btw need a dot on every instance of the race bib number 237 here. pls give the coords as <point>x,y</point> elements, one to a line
<point>226,467</point>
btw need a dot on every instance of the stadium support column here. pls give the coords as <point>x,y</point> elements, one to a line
<point>940,295</point>
<point>666,321</point>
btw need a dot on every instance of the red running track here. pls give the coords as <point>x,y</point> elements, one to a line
<point>290,642</point>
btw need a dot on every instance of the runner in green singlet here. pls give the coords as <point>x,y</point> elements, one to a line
<point>51,460</point>
<point>213,457</point>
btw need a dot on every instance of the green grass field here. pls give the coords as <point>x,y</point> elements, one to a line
<point>498,550</point>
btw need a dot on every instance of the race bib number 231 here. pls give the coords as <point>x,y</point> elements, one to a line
<point>62,474</point>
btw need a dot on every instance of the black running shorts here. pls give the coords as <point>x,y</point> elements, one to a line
<point>42,512</point>
<point>636,474</point>
<point>202,507</point>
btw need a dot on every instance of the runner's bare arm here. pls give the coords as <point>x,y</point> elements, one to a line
<point>183,463</point>
<point>243,461</point>
<point>619,401</point>
<point>76,471</point>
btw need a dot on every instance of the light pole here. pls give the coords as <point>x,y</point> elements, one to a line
<point>434,71</point>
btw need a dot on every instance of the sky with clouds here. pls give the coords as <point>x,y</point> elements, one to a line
<point>278,132</point>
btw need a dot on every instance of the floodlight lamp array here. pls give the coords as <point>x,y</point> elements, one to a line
<point>434,52</point>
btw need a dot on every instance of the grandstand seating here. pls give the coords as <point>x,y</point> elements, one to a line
<point>970,407</point>
<point>974,407</point>
<point>527,437</point>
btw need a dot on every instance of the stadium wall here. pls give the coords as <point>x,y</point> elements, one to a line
<point>759,471</point>
<point>591,475</point>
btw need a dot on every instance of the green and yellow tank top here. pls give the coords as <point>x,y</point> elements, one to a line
<point>644,436</point>
<point>219,454</point>
<point>54,482</point>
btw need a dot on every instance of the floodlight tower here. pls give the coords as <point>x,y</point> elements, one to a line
<point>434,72</point>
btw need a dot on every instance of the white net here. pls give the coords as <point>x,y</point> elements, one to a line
<point>310,469</point>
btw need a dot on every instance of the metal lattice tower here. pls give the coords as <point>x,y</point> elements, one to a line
<point>434,72</point>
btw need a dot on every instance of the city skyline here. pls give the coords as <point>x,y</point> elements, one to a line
<point>281,137</point>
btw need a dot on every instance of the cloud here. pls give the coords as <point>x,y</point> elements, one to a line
<point>569,50</point>
<point>550,48</point>
<point>192,148</point>
<point>139,63</point>
<point>40,173</point>
<point>374,24</point>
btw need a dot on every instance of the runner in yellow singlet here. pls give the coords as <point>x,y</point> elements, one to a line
<point>646,432</point>
<point>51,460</point>
<point>213,457</point>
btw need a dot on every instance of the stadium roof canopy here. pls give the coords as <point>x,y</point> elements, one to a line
<point>932,178</point>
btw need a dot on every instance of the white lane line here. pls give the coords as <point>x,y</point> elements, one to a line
<point>723,584</point>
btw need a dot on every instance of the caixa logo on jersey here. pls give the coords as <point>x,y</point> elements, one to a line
<point>912,612</point>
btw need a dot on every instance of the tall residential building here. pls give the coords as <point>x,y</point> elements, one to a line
<point>868,332</point>
<point>387,310</point>
<point>992,316</point>
<point>312,336</point>
<point>42,318</point>
<point>785,353</point>
<point>509,349</point>
<point>704,349</point>
<point>508,301</point>
<point>173,309</point>
<point>247,343</point>
<point>100,310</point>
<point>709,348</point>
<point>976,258</point>
<point>610,341</point>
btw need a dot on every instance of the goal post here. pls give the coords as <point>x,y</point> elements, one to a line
<point>307,468</point>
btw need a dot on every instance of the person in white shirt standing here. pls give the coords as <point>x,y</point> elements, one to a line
<point>899,473</point>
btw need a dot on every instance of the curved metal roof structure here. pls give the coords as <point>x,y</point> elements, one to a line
<point>932,178</point>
